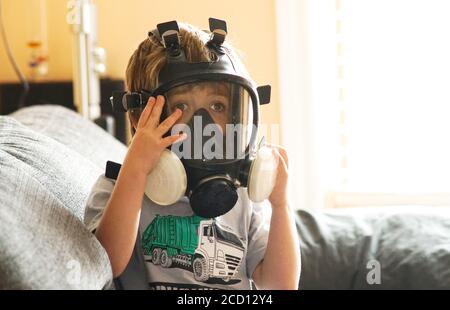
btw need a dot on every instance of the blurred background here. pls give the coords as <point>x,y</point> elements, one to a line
<point>360,88</point>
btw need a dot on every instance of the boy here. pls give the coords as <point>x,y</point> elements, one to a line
<point>175,239</point>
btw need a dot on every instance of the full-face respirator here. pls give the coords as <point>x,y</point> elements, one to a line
<point>220,117</point>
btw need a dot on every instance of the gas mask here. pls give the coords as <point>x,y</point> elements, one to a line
<point>220,117</point>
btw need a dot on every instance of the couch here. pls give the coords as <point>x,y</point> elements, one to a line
<point>50,157</point>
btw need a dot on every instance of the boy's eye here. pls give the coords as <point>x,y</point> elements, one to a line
<point>181,106</point>
<point>217,107</point>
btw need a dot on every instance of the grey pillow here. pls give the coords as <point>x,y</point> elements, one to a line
<point>65,173</point>
<point>411,245</point>
<point>74,131</point>
<point>43,191</point>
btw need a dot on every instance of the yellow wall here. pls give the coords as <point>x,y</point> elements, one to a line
<point>123,24</point>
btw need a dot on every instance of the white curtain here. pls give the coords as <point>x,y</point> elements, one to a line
<point>366,100</point>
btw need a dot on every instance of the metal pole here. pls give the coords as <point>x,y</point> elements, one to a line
<point>87,60</point>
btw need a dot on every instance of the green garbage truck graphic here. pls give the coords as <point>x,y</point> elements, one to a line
<point>193,243</point>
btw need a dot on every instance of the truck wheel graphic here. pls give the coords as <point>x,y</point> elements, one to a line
<point>200,269</point>
<point>156,256</point>
<point>166,261</point>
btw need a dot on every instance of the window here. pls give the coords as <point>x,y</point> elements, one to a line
<point>207,231</point>
<point>374,101</point>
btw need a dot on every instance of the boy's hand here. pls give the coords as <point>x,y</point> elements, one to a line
<point>148,142</point>
<point>279,196</point>
<point>283,244</point>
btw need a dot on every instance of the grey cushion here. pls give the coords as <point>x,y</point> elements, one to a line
<point>68,175</point>
<point>42,244</point>
<point>74,131</point>
<point>42,197</point>
<point>411,244</point>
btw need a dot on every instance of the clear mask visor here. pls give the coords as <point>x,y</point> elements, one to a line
<point>217,118</point>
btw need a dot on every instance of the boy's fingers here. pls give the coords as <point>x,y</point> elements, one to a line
<point>167,141</point>
<point>154,117</point>
<point>169,122</point>
<point>281,152</point>
<point>281,162</point>
<point>146,112</point>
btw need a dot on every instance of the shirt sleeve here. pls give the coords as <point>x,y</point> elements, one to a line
<point>96,202</point>
<point>258,235</point>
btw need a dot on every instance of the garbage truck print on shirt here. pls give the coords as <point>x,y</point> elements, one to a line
<point>195,244</point>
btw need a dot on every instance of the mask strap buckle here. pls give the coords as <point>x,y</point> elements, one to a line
<point>170,38</point>
<point>218,29</point>
<point>264,94</point>
<point>123,101</point>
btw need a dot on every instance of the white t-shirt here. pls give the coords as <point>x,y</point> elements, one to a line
<point>183,251</point>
